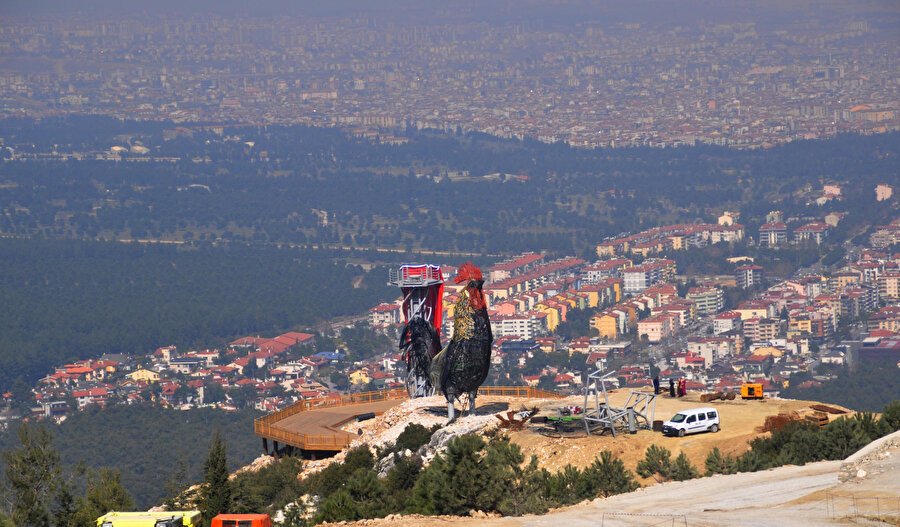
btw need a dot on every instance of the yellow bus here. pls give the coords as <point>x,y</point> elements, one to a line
<point>150,519</point>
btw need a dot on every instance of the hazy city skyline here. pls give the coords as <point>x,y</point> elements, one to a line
<point>734,77</point>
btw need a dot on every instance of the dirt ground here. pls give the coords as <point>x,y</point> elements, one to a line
<point>740,422</point>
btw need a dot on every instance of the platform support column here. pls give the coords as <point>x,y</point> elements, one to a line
<point>265,446</point>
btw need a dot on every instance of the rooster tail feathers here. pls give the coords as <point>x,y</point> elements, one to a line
<point>468,271</point>
<point>437,369</point>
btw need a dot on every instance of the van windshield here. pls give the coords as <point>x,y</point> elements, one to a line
<point>678,418</point>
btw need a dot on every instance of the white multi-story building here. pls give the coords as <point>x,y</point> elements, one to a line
<point>726,322</point>
<point>640,277</point>
<point>523,326</point>
<point>708,300</point>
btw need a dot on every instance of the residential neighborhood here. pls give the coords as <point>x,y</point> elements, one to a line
<point>642,319</point>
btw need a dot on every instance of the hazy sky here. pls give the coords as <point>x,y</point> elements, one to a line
<point>436,11</point>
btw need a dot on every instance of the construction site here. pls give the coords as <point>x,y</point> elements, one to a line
<point>573,430</point>
<point>559,431</point>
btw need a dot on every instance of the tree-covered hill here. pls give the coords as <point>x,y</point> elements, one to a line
<point>442,192</point>
<point>69,300</point>
<point>149,444</point>
<point>866,386</point>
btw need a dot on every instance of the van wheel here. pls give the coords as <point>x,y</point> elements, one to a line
<point>681,433</point>
<point>714,428</point>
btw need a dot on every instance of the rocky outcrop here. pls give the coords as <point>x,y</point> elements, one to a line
<point>869,459</point>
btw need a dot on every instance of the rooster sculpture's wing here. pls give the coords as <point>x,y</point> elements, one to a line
<point>419,341</point>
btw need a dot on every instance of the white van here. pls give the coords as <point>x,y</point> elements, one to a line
<point>692,421</point>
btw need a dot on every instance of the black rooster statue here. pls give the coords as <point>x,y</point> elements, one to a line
<point>463,365</point>
<point>419,342</point>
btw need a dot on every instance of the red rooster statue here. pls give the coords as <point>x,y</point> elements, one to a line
<point>463,365</point>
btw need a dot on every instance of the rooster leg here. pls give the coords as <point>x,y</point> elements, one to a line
<point>451,412</point>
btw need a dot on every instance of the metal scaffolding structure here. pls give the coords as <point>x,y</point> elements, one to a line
<point>638,411</point>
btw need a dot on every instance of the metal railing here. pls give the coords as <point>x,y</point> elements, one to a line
<point>264,426</point>
<point>882,508</point>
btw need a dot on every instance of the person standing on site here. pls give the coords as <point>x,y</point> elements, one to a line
<point>671,388</point>
<point>656,385</point>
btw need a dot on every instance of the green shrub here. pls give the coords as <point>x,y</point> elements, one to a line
<point>657,463</point>
<point>891,415</point>
<point>682,469</point>
<point>842,437</point>
<point>338,507</point>
<point>607,476</point>
<point>716,463</point>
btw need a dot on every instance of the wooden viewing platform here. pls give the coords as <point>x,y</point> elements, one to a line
<point>314,425</point>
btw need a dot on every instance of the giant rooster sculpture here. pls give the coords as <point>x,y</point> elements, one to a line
<point>463,365</point>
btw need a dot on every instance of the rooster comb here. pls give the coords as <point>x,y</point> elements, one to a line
<point>467,272</point>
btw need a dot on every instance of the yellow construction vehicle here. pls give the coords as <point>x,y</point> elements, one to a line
<point>150,519</point>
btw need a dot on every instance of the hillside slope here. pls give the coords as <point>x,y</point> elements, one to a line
<point>824,493</point>
<point>818,493</point>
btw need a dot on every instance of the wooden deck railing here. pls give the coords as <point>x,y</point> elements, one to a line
<point>264,426</point>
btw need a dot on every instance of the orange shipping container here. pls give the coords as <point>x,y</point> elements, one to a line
<point>242,520</point>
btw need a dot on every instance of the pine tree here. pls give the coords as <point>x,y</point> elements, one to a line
<point>657,463</point>
<point>32,473</point>
<point>682,469</point>
<point>872,427</point>
<point>338,507</point>
<point>749,461</point>
<point>457,481</point>
<point>607,476</point>
<point>215,497</point>
<point>566,487</point>
<point>842,437</point>
<point>175,485</point>
<point>402,478</point>
<point>368,493</point>
<point>295,515</point>
<point>805,446</point>
<point>716,463</point>
<point>104,493</point>
<point>891,415</point>
<point>64,513</point>
<point>509,471</point>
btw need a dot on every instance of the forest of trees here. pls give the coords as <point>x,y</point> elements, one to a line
<point>69,296</point>
<point>865,386</point>
<point>318,186</point>
<point>66,300</point>
<point>154,448</point>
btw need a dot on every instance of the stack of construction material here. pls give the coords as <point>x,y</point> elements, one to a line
<point>714,396</point>
<point>818,418</point>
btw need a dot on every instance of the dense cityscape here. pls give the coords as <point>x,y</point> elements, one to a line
<point>464,259</point>
<point>738,83</point>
